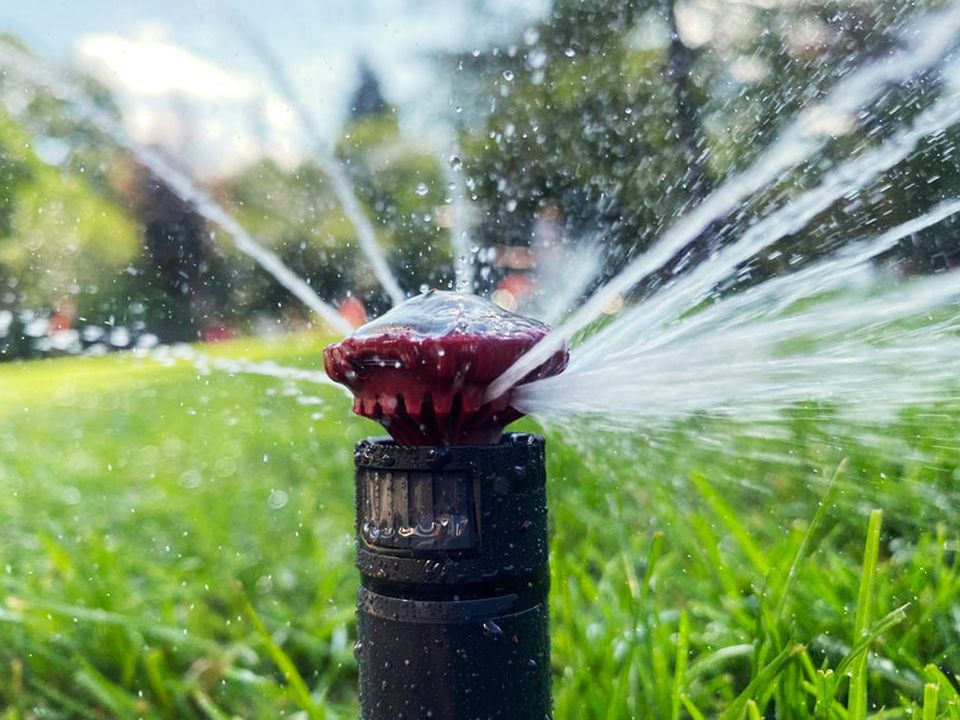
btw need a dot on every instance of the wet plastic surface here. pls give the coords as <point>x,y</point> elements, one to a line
<point>452,548</point>
<point>422,369</point>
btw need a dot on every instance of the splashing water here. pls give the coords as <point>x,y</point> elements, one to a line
<point>844,180</point>
<point>924,44</point>
<point>752,353</point>
<point>858,350</point>
<point>33,72</point>
<point>205,363</point>
<point>331,167</point>
<point>464,257</point>
<point>862,344</point>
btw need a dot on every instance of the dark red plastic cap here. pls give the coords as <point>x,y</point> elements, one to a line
<point>422,369</point>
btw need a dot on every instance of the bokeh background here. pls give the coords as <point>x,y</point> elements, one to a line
<point>176,518</point>
<point>561,133</point>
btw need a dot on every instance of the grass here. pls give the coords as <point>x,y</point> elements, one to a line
<point>175,545</point>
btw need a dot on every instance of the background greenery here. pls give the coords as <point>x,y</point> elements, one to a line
<point>178,544</point>
<point>602,116</point>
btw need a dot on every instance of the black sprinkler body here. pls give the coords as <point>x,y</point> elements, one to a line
<point>453,620</point>
<point>452,617</point>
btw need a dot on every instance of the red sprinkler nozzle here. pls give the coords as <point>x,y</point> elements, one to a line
<point>422,369</point>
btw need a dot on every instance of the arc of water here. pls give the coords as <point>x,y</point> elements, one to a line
<point>464,265</point>
<point>843,180</point>
<point>860,352</point>
<point>740,334</point>
<point>331,167</point>
<point>841,317</point>
<point>925,43</point>
<point>744,338</point>
<point>265,369</point>
<point>757,391</point>
<point>170,355</point>
<point>182,185</point>
<point>777,294</point>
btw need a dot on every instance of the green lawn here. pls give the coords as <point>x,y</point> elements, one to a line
<point>153,520</point>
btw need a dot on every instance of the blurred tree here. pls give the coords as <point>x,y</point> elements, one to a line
<point>367,99</point>
<point>296,215</point>
<point>585,120</point>
<point>15,173</point>
<point>622,114</point>
<point>58,237</point>
<point>299,217</point>
<point>178,270</point>
<point>402,186</point>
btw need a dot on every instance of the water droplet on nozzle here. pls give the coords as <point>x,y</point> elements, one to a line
<point>422,369</point>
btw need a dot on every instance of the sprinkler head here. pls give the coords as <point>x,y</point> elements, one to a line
<point>421,370</point>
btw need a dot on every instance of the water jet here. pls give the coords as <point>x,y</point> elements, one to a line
<point>451,515</point>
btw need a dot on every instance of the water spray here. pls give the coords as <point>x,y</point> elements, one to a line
<point>923,45</point>
<point>82,106</point>
<point>452,617</point>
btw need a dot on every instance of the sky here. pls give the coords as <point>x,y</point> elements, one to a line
<point>187,78</point>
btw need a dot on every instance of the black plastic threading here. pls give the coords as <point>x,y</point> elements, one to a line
<point>453,621</point>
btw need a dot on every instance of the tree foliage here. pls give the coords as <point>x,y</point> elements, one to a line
<point>58,237</point>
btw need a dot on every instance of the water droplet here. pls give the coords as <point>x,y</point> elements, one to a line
<point>536,58</point>
<point>455,162</point>
<point>492,629</point>
<point>508,75</point>
<point>531,35</point>
<point>422,189</point>
<point>277,499</point>
<point>570,52</point>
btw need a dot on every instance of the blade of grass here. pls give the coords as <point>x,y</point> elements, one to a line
<point>97,616</point>
<point>641,668</point>
<point>708,663</point>
<point>653,555</point>
<point>692,709</point>
<point>935,675</point>
<point>295,681</point>
<point>119,701</point>
<point>153,663</point>
<point>207,706</point>
<point>807,541</point>
<point>680,667</point>
<point>761,682</point>
<point>728,517</point>
<point>894,617</point>
<point>931,697</point>
<point>825,685</point>
<point>77,709</point>
<point>857,700</point>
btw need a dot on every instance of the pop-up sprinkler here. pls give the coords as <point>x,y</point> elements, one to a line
<point>422,369</point>
<point>451,515</point>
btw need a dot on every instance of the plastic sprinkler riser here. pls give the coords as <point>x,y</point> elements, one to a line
<point>451,516</point>
<point>452,619</point>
